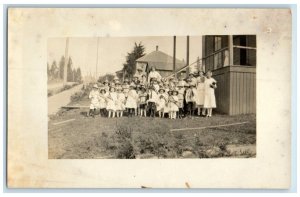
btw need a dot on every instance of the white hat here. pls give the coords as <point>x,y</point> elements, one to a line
<point>116,78</point>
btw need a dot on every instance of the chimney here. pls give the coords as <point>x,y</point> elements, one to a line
<point>156,47</point>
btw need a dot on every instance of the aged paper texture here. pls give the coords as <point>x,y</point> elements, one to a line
<point>28,165</point>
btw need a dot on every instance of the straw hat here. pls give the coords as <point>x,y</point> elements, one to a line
<point>175,91</point>
<point>161,88</point>
<point>102,90</point>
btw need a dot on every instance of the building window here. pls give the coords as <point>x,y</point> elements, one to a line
<point>244,50</point>
<point>218,43</point>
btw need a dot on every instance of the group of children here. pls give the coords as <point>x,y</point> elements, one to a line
<point>170,98</point>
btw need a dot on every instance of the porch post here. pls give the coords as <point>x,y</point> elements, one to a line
<point>174,55</point>
<point>230,47</point>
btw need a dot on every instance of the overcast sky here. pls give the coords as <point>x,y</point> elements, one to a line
<point>112,51</point>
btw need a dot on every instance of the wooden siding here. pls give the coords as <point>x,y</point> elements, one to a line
<point>222,76</point>
<point>236,91</point>
<point>242,90</point>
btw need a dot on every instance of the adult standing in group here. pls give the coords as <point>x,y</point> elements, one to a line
<point>154,74</point>
<point>200,93</point>
<point>210,84</point>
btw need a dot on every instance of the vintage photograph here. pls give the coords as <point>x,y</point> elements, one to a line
<point>165,97</point>
<point>152,97</point>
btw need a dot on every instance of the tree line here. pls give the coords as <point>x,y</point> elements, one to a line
<point>56,71</point>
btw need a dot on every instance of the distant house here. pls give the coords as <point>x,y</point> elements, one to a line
<point>232,58</point>
<point>161,61</point>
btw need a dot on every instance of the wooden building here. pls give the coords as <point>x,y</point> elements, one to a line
<point>161,61</point>
<point>232,59</point>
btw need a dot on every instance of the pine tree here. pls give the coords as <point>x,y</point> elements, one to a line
<point>78,77</point>
<point>130,66</point>
<point>54,70</point>
<point>69,70</point>
<point>61,67</point>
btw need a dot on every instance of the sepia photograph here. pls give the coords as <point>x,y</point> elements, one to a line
<point>152,97</point>
<point>114,97</point>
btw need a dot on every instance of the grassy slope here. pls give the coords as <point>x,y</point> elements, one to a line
<point>97,138</point>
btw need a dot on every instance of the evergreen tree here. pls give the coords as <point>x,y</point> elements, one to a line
<point>54,70</point>
<point>61,67</point>
<point>69,70</point>
<point>78,77</point>
<point>130,65</point>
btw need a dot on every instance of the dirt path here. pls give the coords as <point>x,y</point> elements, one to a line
<point>55,102</point>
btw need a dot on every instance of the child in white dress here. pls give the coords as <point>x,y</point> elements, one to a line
<point>94,96</point>
<point>181,91</point>
<point>209,98</point>
<point>173,104</point>
<point>102,102</point>
<point>167,106</point>
<point>111,102</point>
<point>200,93</point>
<point>131,102</point>
<point>120,103</point>
<point>161,104</point>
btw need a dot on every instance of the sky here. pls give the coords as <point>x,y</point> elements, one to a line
<point>112,51</point>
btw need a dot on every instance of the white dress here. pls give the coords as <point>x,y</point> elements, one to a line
<point>102,101</point>
<point>132,98</point>
<point>209,96</point>
<point>200,92</point>
<point>120,103</point>
<point>111,101</point>
<point>172,105</point>
<point>94,96</point>
<point>161,103</point>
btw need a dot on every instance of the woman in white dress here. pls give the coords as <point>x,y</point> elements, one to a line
<point>210,85</point>
<point>200,93</point>
<point>111,102</point>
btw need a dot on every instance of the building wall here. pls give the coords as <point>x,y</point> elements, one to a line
<point>242,90</point>
<point>236,90</point>
<point>222,92</point>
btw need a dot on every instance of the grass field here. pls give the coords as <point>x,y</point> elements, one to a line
<point>93,138</point>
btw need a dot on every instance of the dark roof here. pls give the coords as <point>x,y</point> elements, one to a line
<point>161,61</point>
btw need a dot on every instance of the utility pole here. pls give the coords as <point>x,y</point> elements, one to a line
<point>66,62</point>
<point>187,50</point>
<point>174,55</point>
<point>97,58</point>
